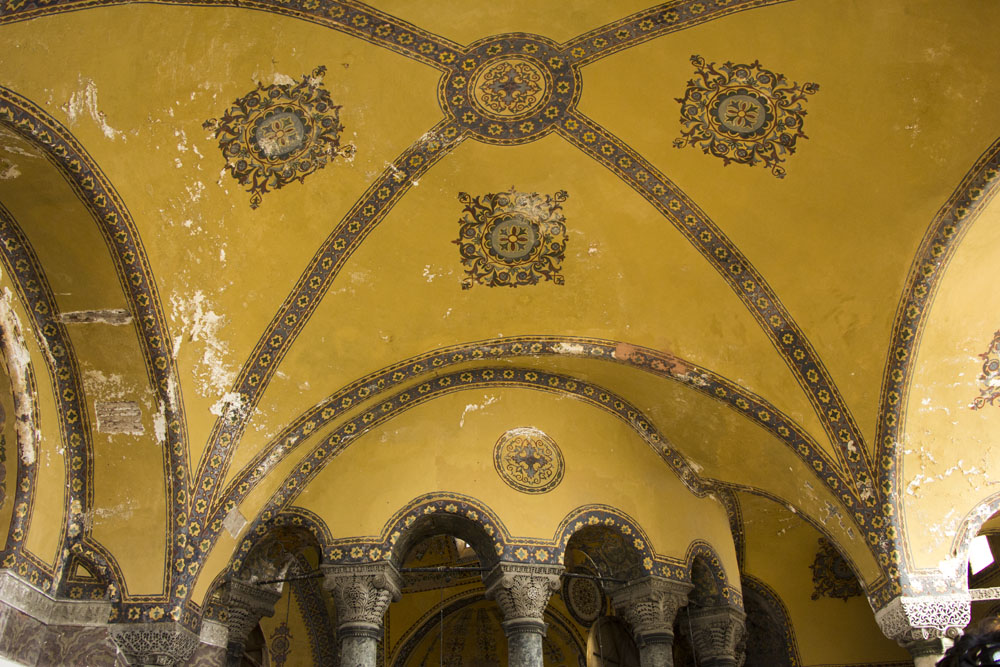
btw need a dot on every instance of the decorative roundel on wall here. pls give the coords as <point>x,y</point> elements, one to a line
<point>584,599</point>
<point>528,460</point>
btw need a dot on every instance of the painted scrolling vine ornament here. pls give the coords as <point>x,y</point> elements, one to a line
<point>281,133</point>
<point>512,238</point>
<point>989,380</point>
<point>743,113</point>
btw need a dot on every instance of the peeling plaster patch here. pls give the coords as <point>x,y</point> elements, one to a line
<point>694,465</point>
<point>120,512</point>
<point>472,407</point>
<point>569,348</point>
<point>160,425</point>
<point>199,323</point>
<point>427,273</point>
<point>113,316</point>
<point>109,386</point>
<point>119,417</point>
<point>280,79</point>
<point>84,101</point>
<point>234,522</point>
<point>18,369</point>
<point>8,170</point>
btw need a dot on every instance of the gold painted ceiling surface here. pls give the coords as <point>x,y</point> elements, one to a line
<point>309,212</point>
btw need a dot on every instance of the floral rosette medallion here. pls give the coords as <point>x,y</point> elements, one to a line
<point>743,113</point>
<point>280,133</point>
<point>512,238</point>
<point>528,460</point>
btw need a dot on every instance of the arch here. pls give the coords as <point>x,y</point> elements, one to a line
<point>969,527</point>
<point>711,583</point>
<point>767,620</point>
<point>453,514</point>
<point>622,547</point>
<point>430,621</point>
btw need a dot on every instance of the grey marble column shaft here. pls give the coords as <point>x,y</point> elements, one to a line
<point>659,654</point>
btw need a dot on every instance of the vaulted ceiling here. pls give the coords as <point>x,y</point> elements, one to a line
<point>757,233</point>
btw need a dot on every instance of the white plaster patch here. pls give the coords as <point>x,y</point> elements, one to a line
<point>569,348</point>
<point>234,522</point>
<point>472,407</point>
<point>213,372</point>
<point>84,102</point>
<point>8,170</point>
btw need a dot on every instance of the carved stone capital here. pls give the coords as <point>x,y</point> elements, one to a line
<point>649,606</point>
<point>717,635</point>
<point>153,643</point>
<point>909,619</point>
<point>522,592</point>
<point>246,604</point>
<point>361,594</point>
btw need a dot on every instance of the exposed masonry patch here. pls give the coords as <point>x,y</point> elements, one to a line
<point>119,417</point>
<point>112,316</point>
<point>18,369</point>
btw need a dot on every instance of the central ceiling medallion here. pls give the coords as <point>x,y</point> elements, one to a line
<point>743,113</point>
<point>280,133</point>
<point>512,238</point>
<point>511,87</point>
<point>528,460</point>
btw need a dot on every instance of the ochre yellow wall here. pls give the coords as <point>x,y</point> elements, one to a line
<point>780,547</point>
<point>951,461</point>
<point>447,445</point>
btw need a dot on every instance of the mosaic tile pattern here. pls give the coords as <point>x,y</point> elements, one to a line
<point>989,379</point>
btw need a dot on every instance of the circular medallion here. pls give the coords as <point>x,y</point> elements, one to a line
<point>277,133</point>
<point>509,89</point>
<point>584,599</point>
<point>742,111</point>
<point>528,460</point>
<point>512,239</point>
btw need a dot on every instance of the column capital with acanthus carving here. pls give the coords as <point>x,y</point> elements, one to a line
<point>718,635</point>
<point>361,594</point>
<point>649,606</point>
<point>522,592</point>
<point>246,603</point>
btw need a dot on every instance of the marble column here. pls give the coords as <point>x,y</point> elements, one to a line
<point>925,625</point>
<point>717,635</point>
<point>522,592</point>
<point>246,604</point>
<point>361,594</point>
<point>649,606</point>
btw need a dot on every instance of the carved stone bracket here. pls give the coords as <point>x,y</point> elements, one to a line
<point>153,643</point>
<point>361,594</point>
<point>649,606</point>
<point>522,592</point>
<point>717,635</point>
<point>246,605</point>
<point>909,619</point>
